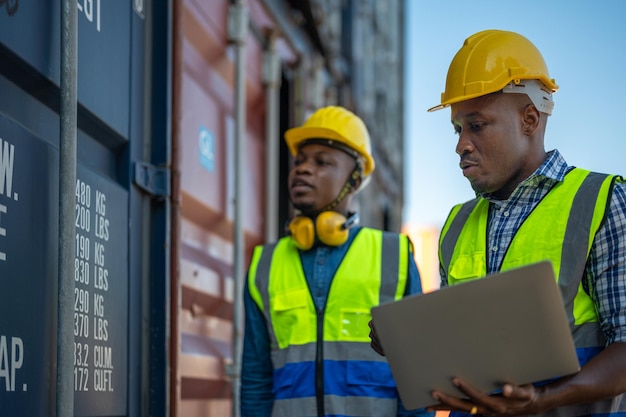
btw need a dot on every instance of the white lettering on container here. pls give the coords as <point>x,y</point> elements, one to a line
<point>86,7</point>
<point>11,361</point>
<point>7,155</point>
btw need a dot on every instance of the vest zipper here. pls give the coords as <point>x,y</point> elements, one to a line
<point>319,364</point>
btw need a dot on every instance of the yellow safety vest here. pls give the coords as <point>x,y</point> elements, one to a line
<point>324,359</point>
<point>561,229</point>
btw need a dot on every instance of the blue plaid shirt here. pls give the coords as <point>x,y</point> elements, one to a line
<point>606,265</point>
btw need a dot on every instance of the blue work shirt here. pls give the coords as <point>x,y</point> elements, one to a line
<point>319,264</point>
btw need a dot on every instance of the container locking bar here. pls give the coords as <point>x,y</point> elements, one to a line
<point>152,179</point>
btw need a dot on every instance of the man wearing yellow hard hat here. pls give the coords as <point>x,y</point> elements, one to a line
<point>530,206</point>
<point>308,296</point>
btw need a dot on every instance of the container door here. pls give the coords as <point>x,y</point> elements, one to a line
<point>110,54</point>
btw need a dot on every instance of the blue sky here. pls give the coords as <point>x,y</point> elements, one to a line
<point>584,46</point>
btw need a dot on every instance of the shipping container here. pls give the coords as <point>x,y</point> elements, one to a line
<point>179,172</point>
<point>109,121</point>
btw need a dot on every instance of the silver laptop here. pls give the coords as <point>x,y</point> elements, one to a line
<point>506,327</point>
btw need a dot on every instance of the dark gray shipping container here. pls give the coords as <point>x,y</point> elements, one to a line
<point>109,226</point>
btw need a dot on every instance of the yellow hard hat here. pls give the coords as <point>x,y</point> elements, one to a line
<point>339,125</point>
<point>488,61</point>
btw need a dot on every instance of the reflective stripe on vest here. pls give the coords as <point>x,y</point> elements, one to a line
<point>356,380</point>
<point>560,228</point>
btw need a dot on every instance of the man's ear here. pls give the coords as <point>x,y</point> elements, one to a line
<point>531,117</point>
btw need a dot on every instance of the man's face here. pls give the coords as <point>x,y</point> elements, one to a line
<point>317,176</point>
<point>494,151</point>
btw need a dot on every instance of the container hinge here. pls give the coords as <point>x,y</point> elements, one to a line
<point>152,179</point>
<point>237,23</point>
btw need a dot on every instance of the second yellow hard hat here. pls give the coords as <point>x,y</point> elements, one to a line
<point>338,124</point>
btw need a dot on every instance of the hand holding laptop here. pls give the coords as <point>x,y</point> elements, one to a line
<point>375,342</point>
<point>514,394</point>
<point>499,332</point>
<point>477,402</point>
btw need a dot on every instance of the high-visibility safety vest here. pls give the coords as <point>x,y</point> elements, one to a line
<point>323,361</point>
<point>561,229</point>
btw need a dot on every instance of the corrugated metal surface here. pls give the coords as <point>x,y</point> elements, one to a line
<point>204,139</point>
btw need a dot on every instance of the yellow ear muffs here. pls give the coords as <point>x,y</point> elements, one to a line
<point>302,232</point>
<point>330,228</point>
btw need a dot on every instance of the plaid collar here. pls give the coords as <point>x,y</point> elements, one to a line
<point>553,169</point>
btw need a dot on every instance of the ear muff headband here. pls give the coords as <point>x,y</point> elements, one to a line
<point>329,227</point>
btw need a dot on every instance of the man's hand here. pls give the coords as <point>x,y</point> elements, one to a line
<point>515,400</point>
<point>375,343</point>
